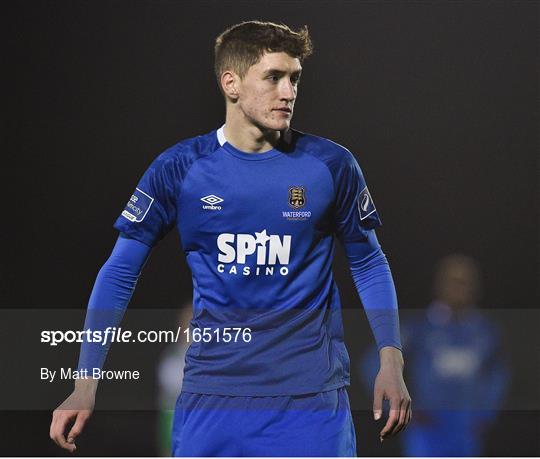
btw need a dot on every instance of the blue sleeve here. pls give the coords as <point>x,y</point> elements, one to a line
<point>373,280</point>
<point>355,211</point>
<point>110,296</point>
<point>151,211</point>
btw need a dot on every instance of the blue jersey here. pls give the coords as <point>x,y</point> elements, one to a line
<point>258,231</point>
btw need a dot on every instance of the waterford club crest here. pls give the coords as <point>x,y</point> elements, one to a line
<point>297,197</point>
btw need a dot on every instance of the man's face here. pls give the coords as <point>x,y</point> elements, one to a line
<point>458,285</point>
<point>267,93</point>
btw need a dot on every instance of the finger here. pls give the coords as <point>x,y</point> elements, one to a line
<point>409,417</point>
<point>78,427</point>
<point>54,429</point>
<point>393,417</point>
<point>60,440</point>
<point>58,428</point>
<point>53,421</point>
<point>377,404</point>
<point>403,414</point>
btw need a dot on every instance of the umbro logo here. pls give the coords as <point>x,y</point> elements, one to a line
<point>212,199</point>
<point>211,202</point>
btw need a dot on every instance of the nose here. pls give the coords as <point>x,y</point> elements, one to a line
<point>287,90</point>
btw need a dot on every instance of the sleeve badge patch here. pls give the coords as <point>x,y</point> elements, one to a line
<point>138,206</point>
<point>366,205</point>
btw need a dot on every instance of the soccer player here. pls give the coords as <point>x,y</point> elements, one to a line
<point>458,367</point>
<point>258,206</point>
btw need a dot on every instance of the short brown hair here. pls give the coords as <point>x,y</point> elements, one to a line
<point>242,45</point>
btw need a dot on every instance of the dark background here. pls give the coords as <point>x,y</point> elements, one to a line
<point>437,100</point>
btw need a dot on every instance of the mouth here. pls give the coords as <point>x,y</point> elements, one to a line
<point>283,110</point>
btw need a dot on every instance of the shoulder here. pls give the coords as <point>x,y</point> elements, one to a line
<point>334,155</point>
<point>481,320</point>
<point>179,157</point>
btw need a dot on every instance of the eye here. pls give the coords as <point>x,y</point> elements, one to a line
<point>273,78</point>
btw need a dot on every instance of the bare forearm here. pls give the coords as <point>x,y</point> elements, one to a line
<point>391,357</point>
<point>87,386</point>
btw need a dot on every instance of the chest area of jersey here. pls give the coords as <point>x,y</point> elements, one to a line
<point>254,205</point>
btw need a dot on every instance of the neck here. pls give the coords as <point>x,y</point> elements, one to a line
<point>246,136</point>
<point>457,307</point>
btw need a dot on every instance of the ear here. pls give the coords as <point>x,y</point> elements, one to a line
<point>229,83</point>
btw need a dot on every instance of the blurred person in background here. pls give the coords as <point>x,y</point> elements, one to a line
<point>170,371</point>
<point>455,366</point>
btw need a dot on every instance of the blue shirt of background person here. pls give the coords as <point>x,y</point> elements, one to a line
<point>455,367</point>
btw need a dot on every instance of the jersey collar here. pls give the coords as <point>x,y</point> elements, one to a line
<point>285,140</point>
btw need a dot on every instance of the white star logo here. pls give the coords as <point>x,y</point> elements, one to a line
<point>261,238</point>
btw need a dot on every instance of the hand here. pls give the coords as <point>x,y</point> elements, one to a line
<point>78,407</point>
<point>389,385</point>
